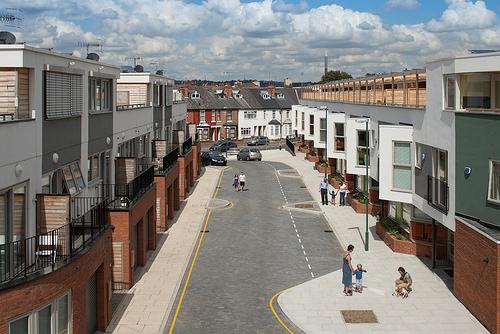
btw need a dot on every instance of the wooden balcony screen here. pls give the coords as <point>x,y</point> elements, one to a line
<point>14,83</point>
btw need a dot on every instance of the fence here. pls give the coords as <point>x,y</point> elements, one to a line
<point>290,146</point>
<point>169,160</point>
<point>187,145</point>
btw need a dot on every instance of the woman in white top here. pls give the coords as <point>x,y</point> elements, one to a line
<point>342,191</point>
<point>242,179</point>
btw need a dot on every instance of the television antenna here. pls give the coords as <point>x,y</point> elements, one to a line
<point>135,59</point>
<point>11,17</point>
<point>87,45</point>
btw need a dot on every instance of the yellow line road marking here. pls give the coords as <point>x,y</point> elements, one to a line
<point>179,304</point>
<point>276,314</point>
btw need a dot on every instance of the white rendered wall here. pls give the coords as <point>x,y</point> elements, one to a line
<point>351,146</point>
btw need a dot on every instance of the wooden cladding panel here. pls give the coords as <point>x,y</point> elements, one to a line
<point>52,212</point>
<point>117,267</point>
<point>125,169</point>
<point>137,93</point>
<point>159,148</point>
<point>14,84</point>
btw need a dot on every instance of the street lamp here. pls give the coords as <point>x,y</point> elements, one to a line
<point>325,155</point>
<point>367,139</point>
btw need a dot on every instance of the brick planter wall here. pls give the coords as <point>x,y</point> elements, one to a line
<point>373,209</point>
<point>476,276</point>
<point>398,246</point>
<point>304,149</point>
<point>335,183</point>
<point>312,158</point>
<point>321,169</point>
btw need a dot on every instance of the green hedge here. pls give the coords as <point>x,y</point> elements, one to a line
<point>392,228</point>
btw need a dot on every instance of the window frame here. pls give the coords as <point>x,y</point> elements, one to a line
<point>229,116</point>
<point>302,127</point>
<point>401,165</point>
<point>311,125</point>
<point>322,131</point>
<point>418,155</point>
<point>337,136</point>
<point>362,147</point>
<point>105,94</point>
<point>490,177</point>
<point>447,79</point>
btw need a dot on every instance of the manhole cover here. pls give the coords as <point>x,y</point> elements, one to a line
<point>359,316</point>
<point>304,206</point>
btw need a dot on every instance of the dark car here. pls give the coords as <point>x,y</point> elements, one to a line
<point>223,146</point>
<point>213,158</point>
<point>249,154</point>
<point>259,140</point>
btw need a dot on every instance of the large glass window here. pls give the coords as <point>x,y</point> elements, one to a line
<point>339,137</point>
<point>100,94</point>
<point>302,120</point>
<point>401,169</point>
<point>44,320</point>
<point>494,186</point>
<point>450,93</point>
<point>361,148</point>
<point>475,91</point>
<point>73,179</point>
<point>19,326</point>
<point>13,214</point>
<point>322,129</point>
<point>311,125</point>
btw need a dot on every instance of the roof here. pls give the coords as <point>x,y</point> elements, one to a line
<point>274,122</point>
<point>489,230</point>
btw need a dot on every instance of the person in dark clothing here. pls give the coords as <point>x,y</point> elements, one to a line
<point>323,188</point>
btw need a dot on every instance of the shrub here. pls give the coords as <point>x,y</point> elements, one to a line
<point>392,228</point>
<point>323,163</point>
<point>337,177</point>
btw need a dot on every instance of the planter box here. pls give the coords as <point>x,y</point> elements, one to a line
<point>304,150</point>
<point>335,183</point>
<point>398,246</point>
<point>312,158</point>
<point>373,209</point>
<point>321,169</point>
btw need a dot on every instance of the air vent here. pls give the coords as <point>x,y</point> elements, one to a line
<point>93,56</point>
<point>7,38</point>
<point>159,72</point>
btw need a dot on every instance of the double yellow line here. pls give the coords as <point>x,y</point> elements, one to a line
<point>282,323</point>
<point>179,304</point>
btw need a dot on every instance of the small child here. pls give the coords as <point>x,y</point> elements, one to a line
<point>236,182</point>
<point>333,194</point>
<point>359,277</point>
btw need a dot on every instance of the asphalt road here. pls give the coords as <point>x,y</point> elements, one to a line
<point>252,251</point>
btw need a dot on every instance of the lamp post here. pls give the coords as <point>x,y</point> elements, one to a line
<point>367,161</point>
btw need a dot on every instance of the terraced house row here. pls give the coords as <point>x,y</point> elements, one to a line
<point>433,144</point>
<point>93,164</point>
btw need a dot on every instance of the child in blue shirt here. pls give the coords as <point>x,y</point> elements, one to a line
<point>359,278</point>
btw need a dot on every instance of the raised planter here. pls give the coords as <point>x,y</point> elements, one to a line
<point>304,150</point>
<point>322,169</point>
<point>373,209</point>
<point>398,246</point>
<point>335,183</point>
<point>312,158</point>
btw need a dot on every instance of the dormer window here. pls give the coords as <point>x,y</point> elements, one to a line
<point>238,96</point>
<point>280,96</point>
<point>265,95</point>
<point>195,95</point>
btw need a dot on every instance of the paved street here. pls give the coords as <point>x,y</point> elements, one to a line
<point>254,249</point>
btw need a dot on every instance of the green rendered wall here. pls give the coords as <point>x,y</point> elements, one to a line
<point>477,142</point>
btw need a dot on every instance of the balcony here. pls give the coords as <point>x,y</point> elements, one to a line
<point>163,165</point>
<point>47,251</point>
<point>125,195</point>
<point>14,90</point>
<point>438,194</point>
<point>186,147</point>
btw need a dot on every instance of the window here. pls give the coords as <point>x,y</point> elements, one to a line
<point>95,166</point>
<point>229,116</point>
<point>322,129</point>
<point>274,114</point>
<point>401,166</point>
<point>360,183</point>
<point>232,132</point>
<point>73,179</point>
<point>362,141</point>
<point>13,208</point>
<point>218,113</point>
<point>494,184</point>
<point>302,122</point>
<point>475,91</point>
<point>264,114</point>
<point>202,116</point>
<point>288,114</point>
<point>400,213</point>
<point>213,116</point>
<point>63,95</point>
<point>100,94</point>
<point>195,95</point>
<point>450,93</point>
<point>156,95</point>
<point>339,137</point>
<point>249,114</point>
<point>245,131</point>
<point>205,134</point>
<point>54,318</point>
<point>296,118</point>
<point>418,155</point>
<point>311,124</point>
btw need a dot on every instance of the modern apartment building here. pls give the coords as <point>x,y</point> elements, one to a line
<point>90,168</point>
<point>433,161</point>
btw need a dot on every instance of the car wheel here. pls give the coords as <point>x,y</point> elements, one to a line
<point>248,158</point>
<point>259,159</point>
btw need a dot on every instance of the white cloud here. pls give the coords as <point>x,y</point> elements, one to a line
<point>405,4</point>
<point>464,14</point>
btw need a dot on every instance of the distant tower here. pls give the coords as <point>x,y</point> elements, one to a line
<point>326,62</point>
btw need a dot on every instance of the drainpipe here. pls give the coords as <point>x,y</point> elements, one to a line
<point>433,243</point>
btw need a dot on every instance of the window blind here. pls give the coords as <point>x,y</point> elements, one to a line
<point>63,95</point>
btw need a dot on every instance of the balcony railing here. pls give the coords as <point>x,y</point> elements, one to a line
<point>46,251</point>
<point>437,194</point>
<point>290,146</point>
<point>186,146</point>
<point>131,106</point>
<point>124,195</point>
<point>169,160</point>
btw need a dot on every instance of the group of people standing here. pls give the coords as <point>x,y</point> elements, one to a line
<point>239,181</point>
<point>402,284</point>
<point>324,187</point>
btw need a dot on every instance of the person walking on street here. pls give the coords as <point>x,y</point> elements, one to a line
<point>323,188</point>
<point>236,182</point>
<point>242,179</point>
<point>343,192</point>
<point>347,270</point>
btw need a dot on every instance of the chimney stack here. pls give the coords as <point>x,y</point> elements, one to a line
<point>271,90</point>
<point>228,90</point>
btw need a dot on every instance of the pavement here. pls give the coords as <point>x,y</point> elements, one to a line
<point>314,306</point>
<point>145,307</point>
<point>254,248</point>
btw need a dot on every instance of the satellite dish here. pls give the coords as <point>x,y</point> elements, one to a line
<point>7,38</point>
<point>159,72</point>
<point>93,56</point>
<point>138,68</point>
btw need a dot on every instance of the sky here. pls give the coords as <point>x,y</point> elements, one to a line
<point>267,39</point>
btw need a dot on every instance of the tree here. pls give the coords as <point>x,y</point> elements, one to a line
<point>335,75</point>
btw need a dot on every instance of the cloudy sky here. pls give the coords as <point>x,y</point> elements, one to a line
<point>232,39</point>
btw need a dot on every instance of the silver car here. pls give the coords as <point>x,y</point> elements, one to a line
<point>249,154</point>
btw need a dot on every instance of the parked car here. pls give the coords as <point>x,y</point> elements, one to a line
<point>223,146</point>
<point>213,158</point>
<point>258,140</point>
<point>249,154</point>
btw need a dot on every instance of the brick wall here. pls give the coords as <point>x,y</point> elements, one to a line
<point>476,275</point>
<point>165,196</point>
<point>73,277</point>
<point>196,160</point>
<point>186,178</point>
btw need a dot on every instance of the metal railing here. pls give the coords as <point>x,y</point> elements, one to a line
<point>131,106</point>
<point>186,146</point>
<point>23,258</point>
<point>124,195</point>
<point>169,160</point>
<point>438,194</point>
<point>290,146</point>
